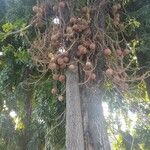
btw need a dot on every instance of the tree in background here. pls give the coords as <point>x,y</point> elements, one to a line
<point>37,112</point>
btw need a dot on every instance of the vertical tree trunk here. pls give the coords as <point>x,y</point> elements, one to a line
<point>27,119</point>
<point>28,108</point>
<point>86,132</point>
<point>95,132</point>
<point>74,128</point>
<point>26,90</point>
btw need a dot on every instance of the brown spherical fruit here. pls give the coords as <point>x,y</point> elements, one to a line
<point>69,30</point>
<point>82,49</point>
<point>114,8</point>
<point>118,6</point>
<point>109,72</point>
<point>62,78</point>
<point>72,67</point>
<point>60,98</point>
<point>54,91</point>
<point>56,77</point>
<point>66,59</point>
<point>93,76</point>
<point>92,46</point>
<point>117,18</point>
<point>86,44</point>
<point>119,52</point>
<point>52,66</point>
<point>85,9</point>
<point>51,56</point>
<point>60,61</point>
<point>107,51</point>
<point>88,65</point>
<point>73,20</point>
<point>75,28</point>
<point>126,52</point>
<point>62,5</point>
<point>63,66</point>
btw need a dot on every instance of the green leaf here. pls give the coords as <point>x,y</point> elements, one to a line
<point>7,27</point>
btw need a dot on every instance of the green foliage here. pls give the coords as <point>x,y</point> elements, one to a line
<point>7,27</point>
<point>8,134</point>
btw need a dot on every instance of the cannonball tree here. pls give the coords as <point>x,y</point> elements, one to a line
<point>82,43</point>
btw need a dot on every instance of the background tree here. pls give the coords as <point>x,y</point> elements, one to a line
<point>19,89</point>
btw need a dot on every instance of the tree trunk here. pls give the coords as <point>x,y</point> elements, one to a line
<point>74,128</point>
<point>95,133</point>
<point>85,123</point>
<point>27,119</point>
<point>27,98</point>
<point>28,108</point>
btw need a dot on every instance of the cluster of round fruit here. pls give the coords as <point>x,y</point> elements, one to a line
<point>89,71</point>
<point>38,22</point>
<point>86,48</point>
<point>76,25</point>
<point>61,5</point>
<point>115,72</point>
<point>55,91</point>
<point>116,15</point>
<point>59,61</point>
<point>56,36</point>
<point>118,77</point>
<point>76,38</point>
<point>118,53</point>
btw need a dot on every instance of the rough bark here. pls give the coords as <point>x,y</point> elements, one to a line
<point>94,126</point>
<point>74,128</point>
<point>95,133</point>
